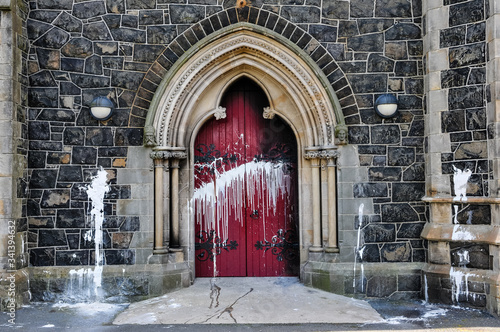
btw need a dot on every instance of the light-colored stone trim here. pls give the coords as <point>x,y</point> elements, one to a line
<point>219,113</point>
<point>209,52</point>
<point>268,113</point>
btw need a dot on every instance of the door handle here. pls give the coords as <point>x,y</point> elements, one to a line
<point>255,214</point>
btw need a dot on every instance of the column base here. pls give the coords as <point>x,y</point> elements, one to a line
<point>332,249</point>
<point>158,258</point>
<point>160,251</point>
<point>315,249</point>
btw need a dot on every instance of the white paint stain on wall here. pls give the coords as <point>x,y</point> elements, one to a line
<point>460,233</point>
<point>358,251</point>
<point>460,179</point>
<point>459,283</point>
<point>88,280</point>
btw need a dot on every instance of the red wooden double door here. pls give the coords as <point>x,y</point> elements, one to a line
<point>245,197</point>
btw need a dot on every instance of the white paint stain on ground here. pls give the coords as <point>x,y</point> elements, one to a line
<point>431,313</point>
<point>87,309</point>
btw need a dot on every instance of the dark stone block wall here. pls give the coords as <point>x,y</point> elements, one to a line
<point>122,49</point>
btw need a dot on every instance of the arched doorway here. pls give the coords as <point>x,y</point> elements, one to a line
<point>191,96</point>
<point>245,196</point>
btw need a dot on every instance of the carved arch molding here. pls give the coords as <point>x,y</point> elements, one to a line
<point>190,94</point>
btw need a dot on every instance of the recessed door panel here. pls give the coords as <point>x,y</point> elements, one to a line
<point>245,199</point>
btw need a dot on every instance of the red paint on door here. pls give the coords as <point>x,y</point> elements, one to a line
<point>245,197</point>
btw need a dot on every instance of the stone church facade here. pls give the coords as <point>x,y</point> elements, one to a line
<point>379,210</point>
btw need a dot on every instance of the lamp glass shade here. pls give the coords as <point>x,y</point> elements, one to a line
<point>101,108</point>
<point>387,109</point>
<point>386,105</point>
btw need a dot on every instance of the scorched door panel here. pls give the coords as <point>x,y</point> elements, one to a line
<point>249,163</point>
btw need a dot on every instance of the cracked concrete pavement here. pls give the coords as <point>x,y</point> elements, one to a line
<point>248,301</point>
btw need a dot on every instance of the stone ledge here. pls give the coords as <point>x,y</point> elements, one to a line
<point>5,5</point>
<point>375,280</point>
<point>119,282</point>
<point>462,233</point>
<point>462,200</point>
<point>472,274</point>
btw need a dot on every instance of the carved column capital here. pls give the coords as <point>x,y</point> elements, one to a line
<point>157,155</point>
<point>328,154</point>
<point>168,154</point>
<point>178,155</point>
<point>320,153</point>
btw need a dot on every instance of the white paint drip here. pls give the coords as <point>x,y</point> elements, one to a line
<point>460,179</point>
<point>222,198</point>
<point>463,256</point>
<point>426,289</point>
<point>95,192</point>
<point>81,285</point>
<point>460,233</point>
<point>358,250</point>
<point>470,213</point>
<point>457,276</point>
<point>23,271</point>
<point>455,215</point>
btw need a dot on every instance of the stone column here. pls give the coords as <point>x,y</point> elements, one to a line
<point>493,106</point>
<point>331,199</point>
<point>313,156</point>
<point>493,116</point>
<point>160,161</point>
<point>437,184</point>
<point>174,241</point>
<point>174,194</point>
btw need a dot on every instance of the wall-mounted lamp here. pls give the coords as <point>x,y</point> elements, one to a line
<point>101,108</point>
<point>386,105</point>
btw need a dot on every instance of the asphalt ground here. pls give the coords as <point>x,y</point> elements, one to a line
<point>394,316</point>
<point>398,316</point>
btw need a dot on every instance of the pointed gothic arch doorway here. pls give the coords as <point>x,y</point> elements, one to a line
<point>191,95</point>
<point>245,196</point>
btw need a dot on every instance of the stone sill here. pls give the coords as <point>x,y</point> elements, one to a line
<point>346,268</point>
<point>108,270</point>
<point>5,5</point>
<point>477,275</point>
<point>463,200</point>
<point>462,233</point>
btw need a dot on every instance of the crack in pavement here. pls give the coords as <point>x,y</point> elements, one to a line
<point>229,309</point>
<point>214,293</point>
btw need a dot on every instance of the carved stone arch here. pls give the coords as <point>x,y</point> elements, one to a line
<point>247,50</point>
<point>298,90</point>
<point>255,19</point>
